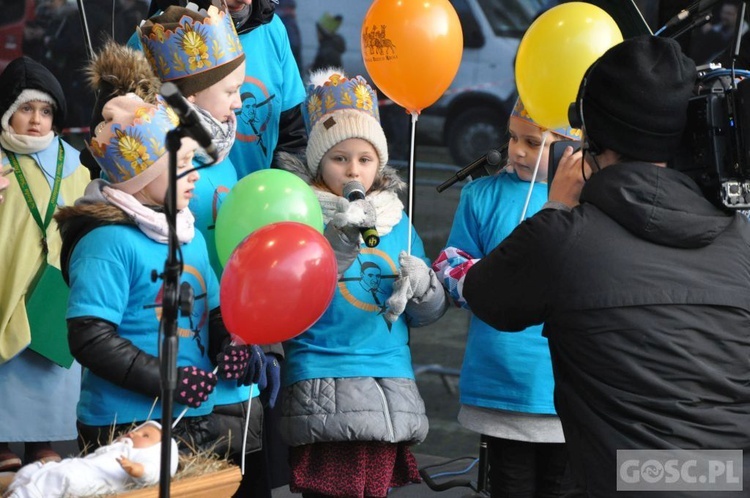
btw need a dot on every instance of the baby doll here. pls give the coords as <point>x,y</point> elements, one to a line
<point>132,460</point>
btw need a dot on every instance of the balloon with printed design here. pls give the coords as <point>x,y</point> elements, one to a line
<point>412,49</point>
<point>554,54</point>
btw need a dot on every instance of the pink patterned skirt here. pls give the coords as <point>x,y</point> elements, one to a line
<point>352,469</point>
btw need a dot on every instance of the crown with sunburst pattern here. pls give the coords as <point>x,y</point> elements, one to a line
<point>339,93</point>
<point>133,137</point>
<point>193,46</point>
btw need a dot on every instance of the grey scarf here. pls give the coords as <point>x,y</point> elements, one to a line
<point>222,134</point>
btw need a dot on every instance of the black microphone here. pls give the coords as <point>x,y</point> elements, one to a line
<point>355,191</point>
<point>698,8</point>
<point>189,119</point>
<point>493,157</point>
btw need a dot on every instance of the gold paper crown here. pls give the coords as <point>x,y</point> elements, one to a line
<point>336,94</point>
<point>134,140</point>
<point>193,47</point>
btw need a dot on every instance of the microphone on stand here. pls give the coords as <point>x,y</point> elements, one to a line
<point>354,191</point>
<point>189,119</point>
<point>493,157</point>
<point>691,10</point>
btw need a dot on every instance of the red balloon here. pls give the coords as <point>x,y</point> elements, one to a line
<point>278,281</point>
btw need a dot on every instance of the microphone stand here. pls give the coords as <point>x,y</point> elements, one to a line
<point>172,301</point>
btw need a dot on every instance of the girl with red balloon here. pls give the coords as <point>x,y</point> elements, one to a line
<point>351,407</point>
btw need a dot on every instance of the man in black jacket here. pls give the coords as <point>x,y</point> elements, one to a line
<point>642,283</point>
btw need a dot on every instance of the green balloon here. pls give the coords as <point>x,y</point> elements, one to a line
<point>259,199</point>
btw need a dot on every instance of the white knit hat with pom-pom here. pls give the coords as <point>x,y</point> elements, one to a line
<point>338,108</point>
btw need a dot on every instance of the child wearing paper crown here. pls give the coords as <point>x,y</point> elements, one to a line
<point>42,173</point>
<point>506,379</point>
<point>211,85</point>
<point>356,442</point>
<point>113,238</point>
<point>132,460</point>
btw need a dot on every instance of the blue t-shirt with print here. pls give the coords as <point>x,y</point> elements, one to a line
<point>272,85</point>
<point>215,183</point>
<point>353,338</point>
<point>211,189</point>
<point>110,278</point>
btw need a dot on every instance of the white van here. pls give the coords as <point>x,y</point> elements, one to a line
<point>476,106</point>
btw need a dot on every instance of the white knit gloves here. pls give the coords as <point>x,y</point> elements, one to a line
<point>414,282</point>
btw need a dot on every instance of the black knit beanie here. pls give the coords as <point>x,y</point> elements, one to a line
<point>636,96</point>
<point>25,73</point>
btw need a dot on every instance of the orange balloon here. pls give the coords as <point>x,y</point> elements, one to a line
<point>412,49</point>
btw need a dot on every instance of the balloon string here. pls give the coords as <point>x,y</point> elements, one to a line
<point>410,213</point>
<point>182,413</point>
<point>533,177</point>
<point>247,423</point>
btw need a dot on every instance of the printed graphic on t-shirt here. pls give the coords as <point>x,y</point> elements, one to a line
<point>368,283</point>
<point>256,112</point>
<point>189,326</point>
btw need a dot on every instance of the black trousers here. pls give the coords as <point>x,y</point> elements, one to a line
<point>519,469</point>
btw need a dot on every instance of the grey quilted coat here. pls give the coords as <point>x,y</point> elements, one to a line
<point>353,409</point>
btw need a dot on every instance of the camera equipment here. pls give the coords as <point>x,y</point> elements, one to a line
<point>556,150</point>
<point>717,138</point>
<point>716,142</point>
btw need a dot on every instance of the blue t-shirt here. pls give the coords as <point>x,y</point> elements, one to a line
<point>110,278</point>
<point>215,183</point>
<point>211,189</point>
<point>353,338</point>
<point>501,370</point>
<point>272,85</point>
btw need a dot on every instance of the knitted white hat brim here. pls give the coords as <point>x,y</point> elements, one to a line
<point>27,95</point>
<point>341,125</point>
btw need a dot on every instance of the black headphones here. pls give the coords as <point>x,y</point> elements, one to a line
<point>575,114</point>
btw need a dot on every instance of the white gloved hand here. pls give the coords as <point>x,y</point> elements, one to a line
<point>412,283</point>
<point>342,231</point>
<point>351,216</point>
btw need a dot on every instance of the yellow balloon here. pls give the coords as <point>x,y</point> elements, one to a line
<point>554,54</point>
